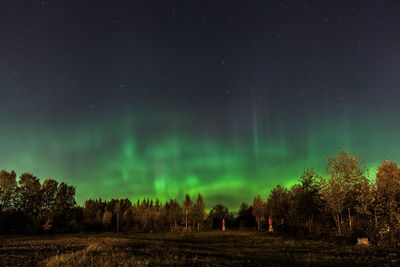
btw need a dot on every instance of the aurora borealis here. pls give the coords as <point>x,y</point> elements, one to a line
<point>225,98</point>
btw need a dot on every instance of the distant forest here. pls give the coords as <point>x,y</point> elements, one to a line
<point>340,204</point>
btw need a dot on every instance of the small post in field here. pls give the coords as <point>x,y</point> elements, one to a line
<point>117,226</point>
<point>270,229</point>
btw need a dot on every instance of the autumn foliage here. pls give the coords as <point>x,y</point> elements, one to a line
<point>344,202</point>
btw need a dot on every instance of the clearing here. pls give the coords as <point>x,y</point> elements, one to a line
<point>192,248</point>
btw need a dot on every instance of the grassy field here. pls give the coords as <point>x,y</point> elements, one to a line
<point>199,249</point>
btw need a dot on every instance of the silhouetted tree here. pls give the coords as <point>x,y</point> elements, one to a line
<point>388,202</point>
<point>306,203</point>
<point>156,214</point>
<point>49,194</point>
<point>28,196</point>
<point>175,213</point>
<point>258,211</point>
<point>277,205</point>
<point>92,215</point>
<point>107,220</point>
<point>199,211</point>
<point>245,217</point>
<point>217,213</point>
<point>65,197</point>
<point>8,185</point>
<point>187,207</point>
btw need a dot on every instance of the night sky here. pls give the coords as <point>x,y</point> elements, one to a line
<point>225,98</point>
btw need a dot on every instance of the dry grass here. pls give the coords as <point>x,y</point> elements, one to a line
<point>205,249</point>
<point>106,252</point>
<point>21,252</point>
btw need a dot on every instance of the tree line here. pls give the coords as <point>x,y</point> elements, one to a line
<point>26,206</point>
<point>342,203</point>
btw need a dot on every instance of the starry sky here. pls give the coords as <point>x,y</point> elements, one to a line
<point>224,98</point>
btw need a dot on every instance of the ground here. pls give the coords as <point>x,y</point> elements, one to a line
<point>200,249</point>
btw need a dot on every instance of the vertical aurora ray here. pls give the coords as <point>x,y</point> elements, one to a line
<point>255,125</point>
<point>127,163</point>
<point>134,101</point>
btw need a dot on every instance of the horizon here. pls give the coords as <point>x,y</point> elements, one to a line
<point>369,172</point>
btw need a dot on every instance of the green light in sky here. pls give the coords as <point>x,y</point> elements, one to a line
<point>125,161</point>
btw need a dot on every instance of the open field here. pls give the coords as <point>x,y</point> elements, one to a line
<point>204,248</point>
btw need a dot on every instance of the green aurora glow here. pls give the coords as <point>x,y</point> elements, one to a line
<point>145,99</point>
<point>113,159</point>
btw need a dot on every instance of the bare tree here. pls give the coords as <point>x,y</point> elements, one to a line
<point>258,211</point>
